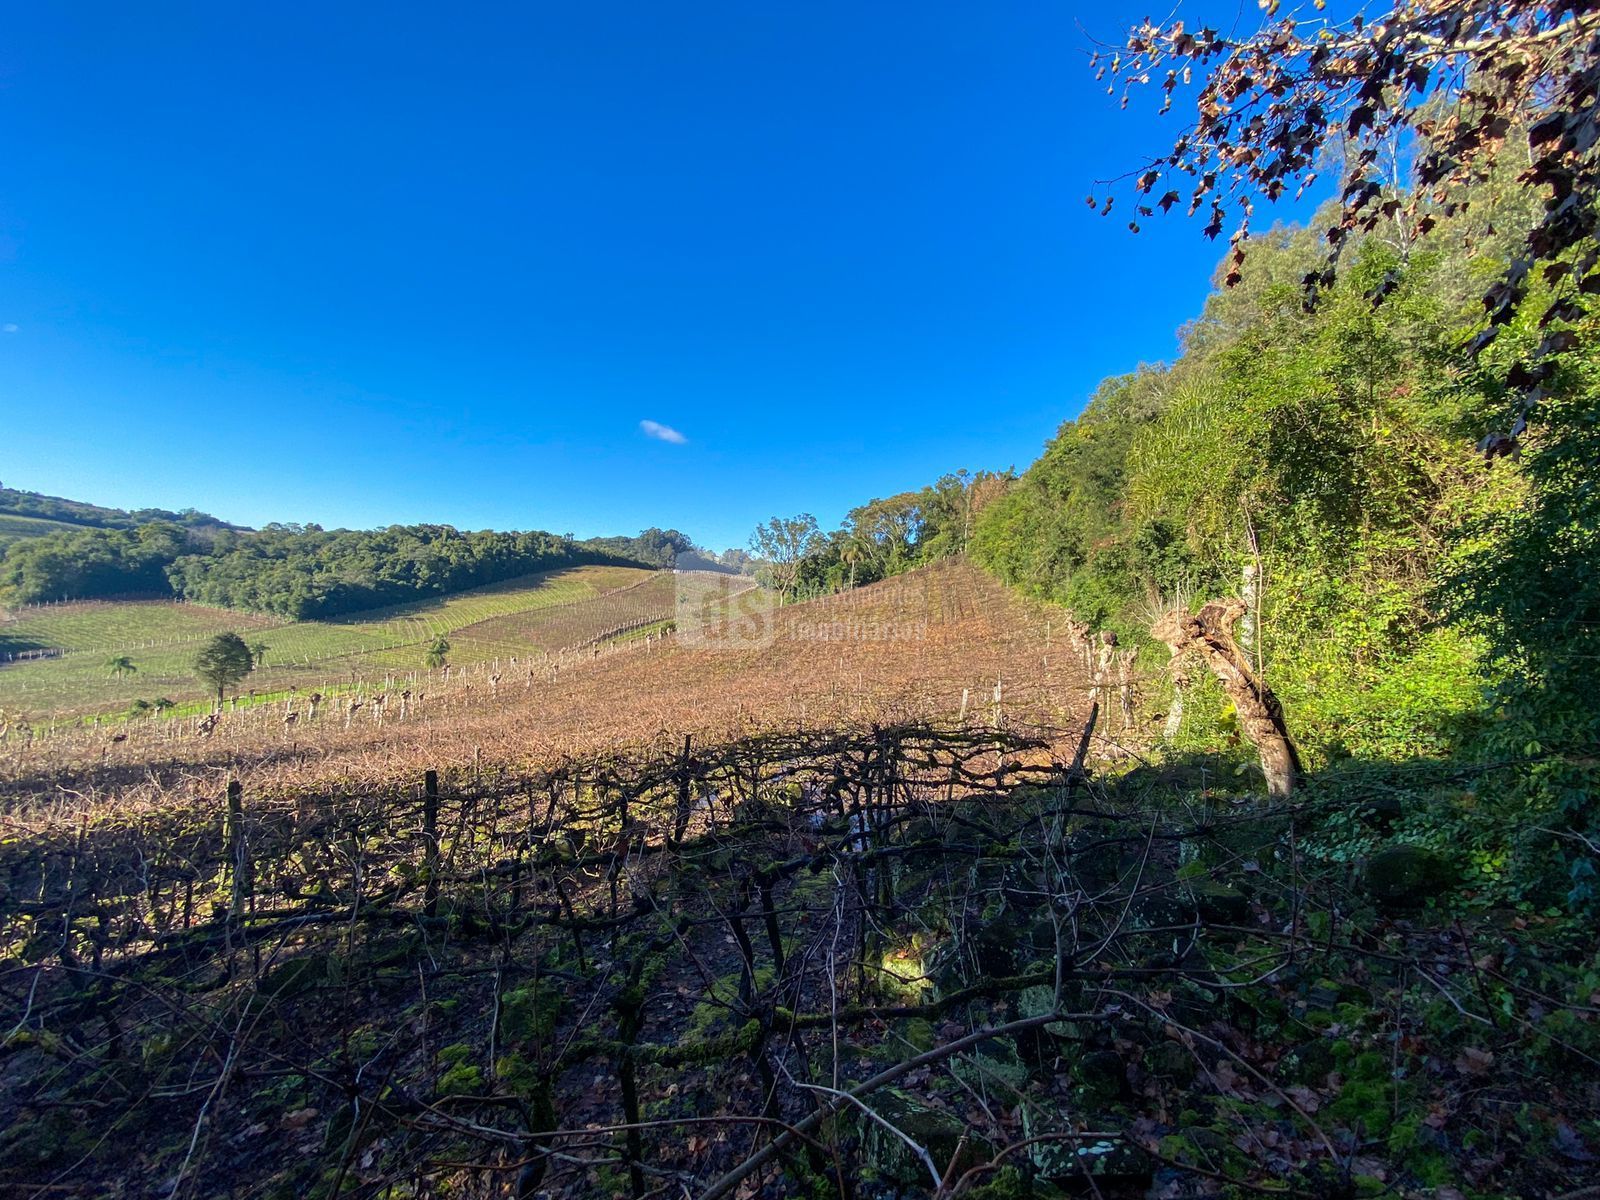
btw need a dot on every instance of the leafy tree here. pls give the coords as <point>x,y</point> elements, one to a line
<point>853,553</point>
<point>121,665</point>
<point>301,572</point>
<point>784,542</point>
<point>438,653</point>
<point>891,530</point>
<point>1470,83</point>
<point>223,662</point>
<point>738,560</point>
<point>258,654</point>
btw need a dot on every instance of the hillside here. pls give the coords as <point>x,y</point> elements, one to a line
<point>755,909</point>
<point>71,644</point>
<point>904,649</point>
<point>29,514</point>
<point>54,550</point>
<point>1205,806</point>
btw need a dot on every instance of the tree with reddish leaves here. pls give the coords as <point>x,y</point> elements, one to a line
<point>1464,81</point>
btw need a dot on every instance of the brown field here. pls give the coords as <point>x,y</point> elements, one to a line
<point>587,959</point>
<point>905,649</point>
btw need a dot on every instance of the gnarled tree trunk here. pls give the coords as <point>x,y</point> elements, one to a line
<point>1209,633</point>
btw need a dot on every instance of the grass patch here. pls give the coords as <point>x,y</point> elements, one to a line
<point>162,639</point>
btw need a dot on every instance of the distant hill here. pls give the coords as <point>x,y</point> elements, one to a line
<point>52,548</point>
<point>37,514</point>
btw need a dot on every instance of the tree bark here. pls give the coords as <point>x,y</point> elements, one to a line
<point>1209,633</point>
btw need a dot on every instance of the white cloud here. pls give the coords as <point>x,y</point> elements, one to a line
<point>8,327</point>
<point>662,433</point>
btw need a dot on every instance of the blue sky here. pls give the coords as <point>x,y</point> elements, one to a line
<point>371,264</point>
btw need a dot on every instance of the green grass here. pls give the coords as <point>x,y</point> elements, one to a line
<point>162,639</point>
<point>122,627</point>
<point>14,526</point>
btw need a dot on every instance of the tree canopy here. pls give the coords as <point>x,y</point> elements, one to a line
<point>301,572</point>
<point>1462,85</point>
<point>783,543</point>
<point>223,662</point>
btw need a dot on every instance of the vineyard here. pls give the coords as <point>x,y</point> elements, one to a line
<point>918,647</point>
<point>862,906</point>
<point>161,638</point>
<point>650,601</point>
<point>111,627</point>
<point>885,961</point>
<point>15,525</point>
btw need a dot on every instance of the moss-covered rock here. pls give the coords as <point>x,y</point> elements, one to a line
<point>1404,876</point>
<point>299,975</point>
<point>1308,1062</point>
<point>1091,1167</point>
<point>936,1131</point>
<point>1218,903</point>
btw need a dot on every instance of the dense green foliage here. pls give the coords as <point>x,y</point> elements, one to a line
<point>651,548</point>
<point>1414,603</point>
<point>223,662</point>
<point>1323,450</point>
<point>76,512</point>
<point>887,536</point>
<point>311,573</point>
<point>94,563</point>
<point>301,572</point>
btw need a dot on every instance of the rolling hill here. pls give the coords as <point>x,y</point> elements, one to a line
<point>64,649</point>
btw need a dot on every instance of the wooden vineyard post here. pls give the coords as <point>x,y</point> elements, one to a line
<point>1125,685</point>
<point>430,843</point>
<point>680,817</point>
<point>238,851</point>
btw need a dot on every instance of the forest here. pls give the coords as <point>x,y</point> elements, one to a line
<point>301,572</point>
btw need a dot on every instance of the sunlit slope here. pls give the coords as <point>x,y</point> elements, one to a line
<point>640,604</point>
<point>161,639</point>
<point>15,525</point>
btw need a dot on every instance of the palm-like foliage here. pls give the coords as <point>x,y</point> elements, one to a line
<point>438,652</point>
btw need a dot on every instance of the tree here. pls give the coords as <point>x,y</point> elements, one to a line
<point>1210,634</point>
<point>121,665</point>
<point>891,529</point>
<point>438,652</point>
<point>784,542</point>
<point>1461,79</point>
<point>853,553</point>
<point>223,662</point>
<point>258,654</point>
